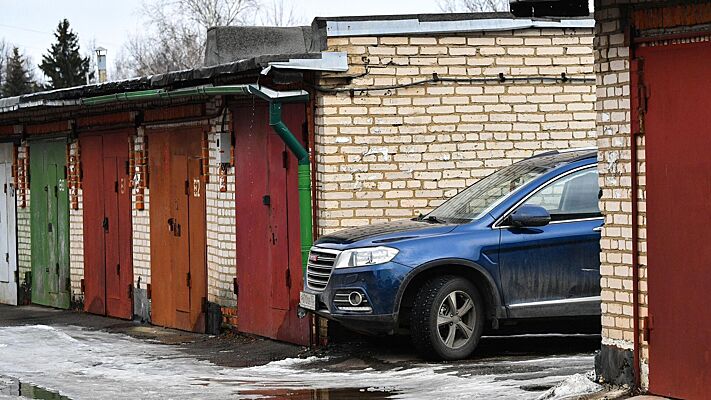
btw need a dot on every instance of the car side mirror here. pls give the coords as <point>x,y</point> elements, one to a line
<point>529,215</point>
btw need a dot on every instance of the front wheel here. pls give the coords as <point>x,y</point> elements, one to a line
<point>447,318</point>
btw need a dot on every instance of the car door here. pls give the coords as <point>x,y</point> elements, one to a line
<point>554,270</point>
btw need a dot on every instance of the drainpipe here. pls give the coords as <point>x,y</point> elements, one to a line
<point>302,155</point>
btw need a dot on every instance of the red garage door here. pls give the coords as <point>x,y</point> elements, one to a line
<point>268,247</point>
<point>678,141</point>
<point>108,265</point>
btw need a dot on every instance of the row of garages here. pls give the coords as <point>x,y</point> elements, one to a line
<point>387,138</point>
<point>184,199</point>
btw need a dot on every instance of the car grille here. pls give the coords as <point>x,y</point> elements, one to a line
<point>319,267</point>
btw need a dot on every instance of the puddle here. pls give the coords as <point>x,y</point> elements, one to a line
<point>319,394</point>
<point>14,387</point>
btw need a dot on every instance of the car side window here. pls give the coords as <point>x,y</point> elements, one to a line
<point>573,196</point>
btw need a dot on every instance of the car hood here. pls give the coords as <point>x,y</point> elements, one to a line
<point>383,233</point>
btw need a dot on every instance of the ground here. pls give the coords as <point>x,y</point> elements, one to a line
<point>46,353</point>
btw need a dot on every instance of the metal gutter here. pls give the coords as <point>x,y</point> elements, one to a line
<point>416,26</point>
<point>336,61</point>
<point>206,90</point>
<point>11,104</point>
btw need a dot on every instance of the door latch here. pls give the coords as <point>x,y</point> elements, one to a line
<point>288,278</point>
<point>49,227</point>
<point>188,281</point>
<point>118,269</point>
<point>105,224</point>
<point>171,224</point>
<point>7,257</point>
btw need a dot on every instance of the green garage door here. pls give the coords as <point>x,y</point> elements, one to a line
<point>49,205</point>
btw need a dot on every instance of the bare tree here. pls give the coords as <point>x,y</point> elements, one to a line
<point>3,56</point>
<point>177,33</point>
<point>453,6</point>
<point>279,13</point>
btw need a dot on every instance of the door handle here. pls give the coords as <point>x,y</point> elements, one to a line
<point>171,224</point>
<point>597,229</point>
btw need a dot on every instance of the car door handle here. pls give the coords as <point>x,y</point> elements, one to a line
<point>597,229</point>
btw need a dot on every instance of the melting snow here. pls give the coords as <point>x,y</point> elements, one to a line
<point>87,364</point>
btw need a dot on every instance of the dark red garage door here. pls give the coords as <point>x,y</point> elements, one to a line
<point>106,191</point>
<point>268,247</point>
<point>678,150</point>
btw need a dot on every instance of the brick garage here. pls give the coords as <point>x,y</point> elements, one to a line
<point>651,62</point>
<point>630,39</point>
<point>399,151</point>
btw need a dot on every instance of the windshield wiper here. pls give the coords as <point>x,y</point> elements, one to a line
<point>434,220</point>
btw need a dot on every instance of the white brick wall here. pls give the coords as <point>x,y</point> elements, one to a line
<point>24,248</point>
<point>221,229</point>
<point>76,243</point>
<point>390,154</point>
<point>141,225</point>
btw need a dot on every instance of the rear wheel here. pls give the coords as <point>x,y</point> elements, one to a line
<point>447,318</point>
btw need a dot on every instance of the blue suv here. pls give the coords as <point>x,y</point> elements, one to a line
<point>521,244</point>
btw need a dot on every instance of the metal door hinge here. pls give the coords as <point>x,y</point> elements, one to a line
<point>288,278</point>
<point>285,159</point>
<point>235,286</point>
<point>648,326</point>
<point>82,285</point>
<point>148,291</point>
<point>188,279</point>
<point>56,268</point>
<point>118,269</point>
<point>7,257</point>
<point>130,291</point>
<point>68,285</point>
<point>187,187</point>
<point>5,188</point>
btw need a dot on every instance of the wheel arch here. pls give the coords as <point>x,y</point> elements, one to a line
<point>475,273</point>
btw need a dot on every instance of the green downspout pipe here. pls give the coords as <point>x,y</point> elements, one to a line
<point>302,155</point>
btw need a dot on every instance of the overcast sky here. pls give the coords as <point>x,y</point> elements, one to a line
<point>29,24</point>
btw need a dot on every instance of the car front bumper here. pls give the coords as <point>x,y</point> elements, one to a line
<point>379,284</point>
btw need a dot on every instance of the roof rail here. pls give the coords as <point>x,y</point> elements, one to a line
<point>563,151</point>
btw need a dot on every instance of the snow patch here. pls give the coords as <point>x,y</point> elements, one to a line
<point>575,386</point>
<point>87,364</point>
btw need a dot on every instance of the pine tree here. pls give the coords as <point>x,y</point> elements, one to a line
<point>63,65</point>
<point>17,78</point>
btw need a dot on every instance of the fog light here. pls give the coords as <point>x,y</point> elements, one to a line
<point>355,299</point>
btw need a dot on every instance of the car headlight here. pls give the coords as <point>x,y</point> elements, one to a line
<point>365,256</point>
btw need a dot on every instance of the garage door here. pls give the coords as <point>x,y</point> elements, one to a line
<point>8,232</point>
<point>269,271</point>
<point>49,231</point>
<point>178,228</point>
<point>678,140</point>
<point>106,197</point>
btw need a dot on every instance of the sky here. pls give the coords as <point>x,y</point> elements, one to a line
<point>29,24</point>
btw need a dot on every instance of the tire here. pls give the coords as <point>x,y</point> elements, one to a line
<point>432,335</point>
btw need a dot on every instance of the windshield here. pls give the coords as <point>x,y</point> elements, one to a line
<point>475,200</point>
